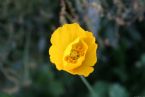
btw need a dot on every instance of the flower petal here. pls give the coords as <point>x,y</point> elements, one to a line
<point>56,57</point>
<point>89,38</point>
<point>82,70</point>
<point>91,57</point>
<point>66,34</point>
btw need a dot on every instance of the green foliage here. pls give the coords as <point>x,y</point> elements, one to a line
<point>101,89</point>
<point>117,91</point>
<point>4,95</point>
<point>104,89</point>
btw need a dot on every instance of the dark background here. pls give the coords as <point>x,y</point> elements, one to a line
<point>25,30</point>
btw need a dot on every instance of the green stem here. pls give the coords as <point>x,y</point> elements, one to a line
<point>88,86</point>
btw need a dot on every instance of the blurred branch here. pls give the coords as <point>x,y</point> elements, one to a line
<point>62,12</point>
<point>12,76</point>
<point>67,12</point>
<point>26,80</point>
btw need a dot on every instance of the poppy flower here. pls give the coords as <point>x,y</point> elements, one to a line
<point>73,50</point>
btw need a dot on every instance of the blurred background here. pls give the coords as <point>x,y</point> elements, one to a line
<point>25,30</point>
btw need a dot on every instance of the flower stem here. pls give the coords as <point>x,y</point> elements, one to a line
<point>88,86</point>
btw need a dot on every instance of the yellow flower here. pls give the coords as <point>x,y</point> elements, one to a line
<point>73,50</point>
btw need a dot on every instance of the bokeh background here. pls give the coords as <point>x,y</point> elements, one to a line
<point>25,30</point>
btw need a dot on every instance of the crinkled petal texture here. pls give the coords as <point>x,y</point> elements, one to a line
<point>73,50</point>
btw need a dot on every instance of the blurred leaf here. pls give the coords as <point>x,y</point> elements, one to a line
<point>56,88</point>
<point>121,73</point>
<point>142,94</point>
<point>117,90</point>
<point>45,79</point>
<point>101,89</point>
<point>143,59</point>
<point>4,95</point>
<point>134,34</point>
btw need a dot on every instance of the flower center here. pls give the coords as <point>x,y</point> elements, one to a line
<point>74,54</point>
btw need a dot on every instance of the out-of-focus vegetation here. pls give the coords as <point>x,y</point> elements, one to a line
<point>25,30</point>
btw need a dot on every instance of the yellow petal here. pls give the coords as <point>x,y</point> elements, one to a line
<point>89,38</point>
<point>56,57</point>
<point>82,70</point>
<point>91,57</point>
<point>66,34</point>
